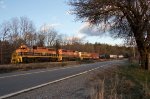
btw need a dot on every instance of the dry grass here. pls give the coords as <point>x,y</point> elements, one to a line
<point>121,83</point>
<point>30,66</point>
<point>24,67</point>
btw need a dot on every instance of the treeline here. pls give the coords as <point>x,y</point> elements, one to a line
<point>99,48</point>
<point>17,31</point>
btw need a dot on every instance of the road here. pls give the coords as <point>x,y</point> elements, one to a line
<point>11,83</point>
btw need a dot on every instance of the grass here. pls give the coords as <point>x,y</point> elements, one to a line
<point>30,66</point>
<point>123,82</point>
<point>133,71</point>
<point>139,77</point>
<point>25,67</point>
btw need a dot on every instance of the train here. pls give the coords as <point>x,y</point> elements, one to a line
<point>26,54</point>
<point>111,56</point>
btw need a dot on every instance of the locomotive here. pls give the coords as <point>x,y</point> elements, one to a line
<point>25,54</point>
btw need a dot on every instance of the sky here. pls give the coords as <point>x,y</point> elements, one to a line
<point>54,13</point>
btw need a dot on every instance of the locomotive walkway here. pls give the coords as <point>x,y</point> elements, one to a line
<point>16,83</point>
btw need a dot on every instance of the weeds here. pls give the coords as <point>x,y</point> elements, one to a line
<point>128,82</point>
<point>63,64</point>
<point>30,66</point>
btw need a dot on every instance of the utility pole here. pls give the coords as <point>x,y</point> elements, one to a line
<point>133,51</point>
<point>1,52</point>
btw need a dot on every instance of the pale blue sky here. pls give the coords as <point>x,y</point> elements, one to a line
<point>52,12</point>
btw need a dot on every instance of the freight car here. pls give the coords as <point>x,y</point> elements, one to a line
<point>108,56</point>
<point>69,55</point>
<point>113,56</point>
<point>95,56</point>
<point>85,55</point>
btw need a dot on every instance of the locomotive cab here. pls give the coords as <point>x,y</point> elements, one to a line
<point>18,53</point>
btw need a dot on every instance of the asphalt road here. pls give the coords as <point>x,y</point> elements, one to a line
<point>17,81</point>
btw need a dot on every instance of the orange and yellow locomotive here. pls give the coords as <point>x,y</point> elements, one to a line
<point>25,54</point>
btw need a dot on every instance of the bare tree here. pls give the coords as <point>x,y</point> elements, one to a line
<point>14,32</point>
<point>125,18</point>
<point>27,29</point>
<point>14,26</point>
<point>76,40</point>
<point>4,30</point>
<point>50,34</point>
<point>40,40</point>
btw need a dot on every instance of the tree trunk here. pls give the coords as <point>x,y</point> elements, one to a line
<point>145,60</point>
<point>144,54</point>
<point>142,48</point>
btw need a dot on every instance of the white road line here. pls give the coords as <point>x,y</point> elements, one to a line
<point>42,85</point>
<point>37,72</point>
